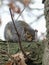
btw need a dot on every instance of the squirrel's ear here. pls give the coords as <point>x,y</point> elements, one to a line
<point>43,1</point>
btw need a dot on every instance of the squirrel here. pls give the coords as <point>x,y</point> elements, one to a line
<point>24,29</point>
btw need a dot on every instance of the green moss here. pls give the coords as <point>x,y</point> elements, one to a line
<point>35,48</point>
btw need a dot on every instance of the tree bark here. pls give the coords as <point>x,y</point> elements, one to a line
<point>46,51</point>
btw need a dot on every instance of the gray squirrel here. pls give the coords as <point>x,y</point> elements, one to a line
<point>25,31</point>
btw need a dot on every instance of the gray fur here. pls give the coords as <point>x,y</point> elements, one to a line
<point>22,27</point>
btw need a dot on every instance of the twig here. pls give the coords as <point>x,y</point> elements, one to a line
<point>19,38</point>
<point>17,33</point>
<point>4,52</point>
<point>20,13</point>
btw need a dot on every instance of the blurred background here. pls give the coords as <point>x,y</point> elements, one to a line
<point>33,15</point>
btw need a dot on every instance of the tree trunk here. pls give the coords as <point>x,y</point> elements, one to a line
<point>46,51</point>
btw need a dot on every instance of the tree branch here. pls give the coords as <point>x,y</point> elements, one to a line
<point>17,33</point>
